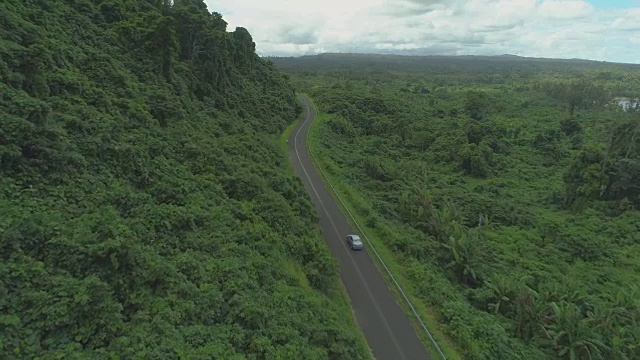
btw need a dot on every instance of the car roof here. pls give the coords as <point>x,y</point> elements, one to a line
<point>355,237</point>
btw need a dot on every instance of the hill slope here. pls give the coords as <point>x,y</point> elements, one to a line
<point>146,209</point>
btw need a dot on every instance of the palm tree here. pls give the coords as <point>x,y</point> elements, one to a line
<point>504,294</point>
<point>447,222</point>
<point>405,208</point>
<point>565,291</point>
<point>619,321</point>
<point>416,208</point>
<point>620,310</point>
<point>573,336</point>
<point>530,314</point>
<point>463,252</point>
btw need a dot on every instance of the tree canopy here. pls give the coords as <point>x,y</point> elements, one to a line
<point>505,191</point>
<point>146,207</point>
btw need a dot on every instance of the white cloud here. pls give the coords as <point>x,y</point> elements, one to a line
<point>628,21</point>
<point>564,9</point>
<point>546,28</point>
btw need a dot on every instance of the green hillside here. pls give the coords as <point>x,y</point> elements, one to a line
<point>146,207</point>
<point>506,192</point>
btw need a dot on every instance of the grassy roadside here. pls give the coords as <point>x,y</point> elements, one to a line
<point>337,294</point>
<point>354,201</point>
<point>283,139</point>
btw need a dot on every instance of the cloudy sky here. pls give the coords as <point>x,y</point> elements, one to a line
<point>590,29</point>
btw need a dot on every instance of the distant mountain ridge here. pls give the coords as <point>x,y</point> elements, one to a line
<point>333,57</point>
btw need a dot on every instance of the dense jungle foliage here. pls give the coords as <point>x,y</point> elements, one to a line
<point>147,209</point>
<point>508,189</point>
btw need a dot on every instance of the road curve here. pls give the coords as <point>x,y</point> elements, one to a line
<point>388,331</point>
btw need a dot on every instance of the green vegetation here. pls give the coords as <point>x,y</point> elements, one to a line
<point>358,206</point>
<point>147,209</point>
<point>506,190</point>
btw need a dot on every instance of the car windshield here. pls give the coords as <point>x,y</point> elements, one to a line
<point>356,240</point>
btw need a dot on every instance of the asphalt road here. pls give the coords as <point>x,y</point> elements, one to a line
<point>387,329</point>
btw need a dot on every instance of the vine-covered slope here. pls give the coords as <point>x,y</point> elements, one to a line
<point>146,209</point>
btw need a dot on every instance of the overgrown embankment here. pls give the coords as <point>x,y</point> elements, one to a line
<point>146,208</point>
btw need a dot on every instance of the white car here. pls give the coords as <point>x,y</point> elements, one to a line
<point>354,242</point>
